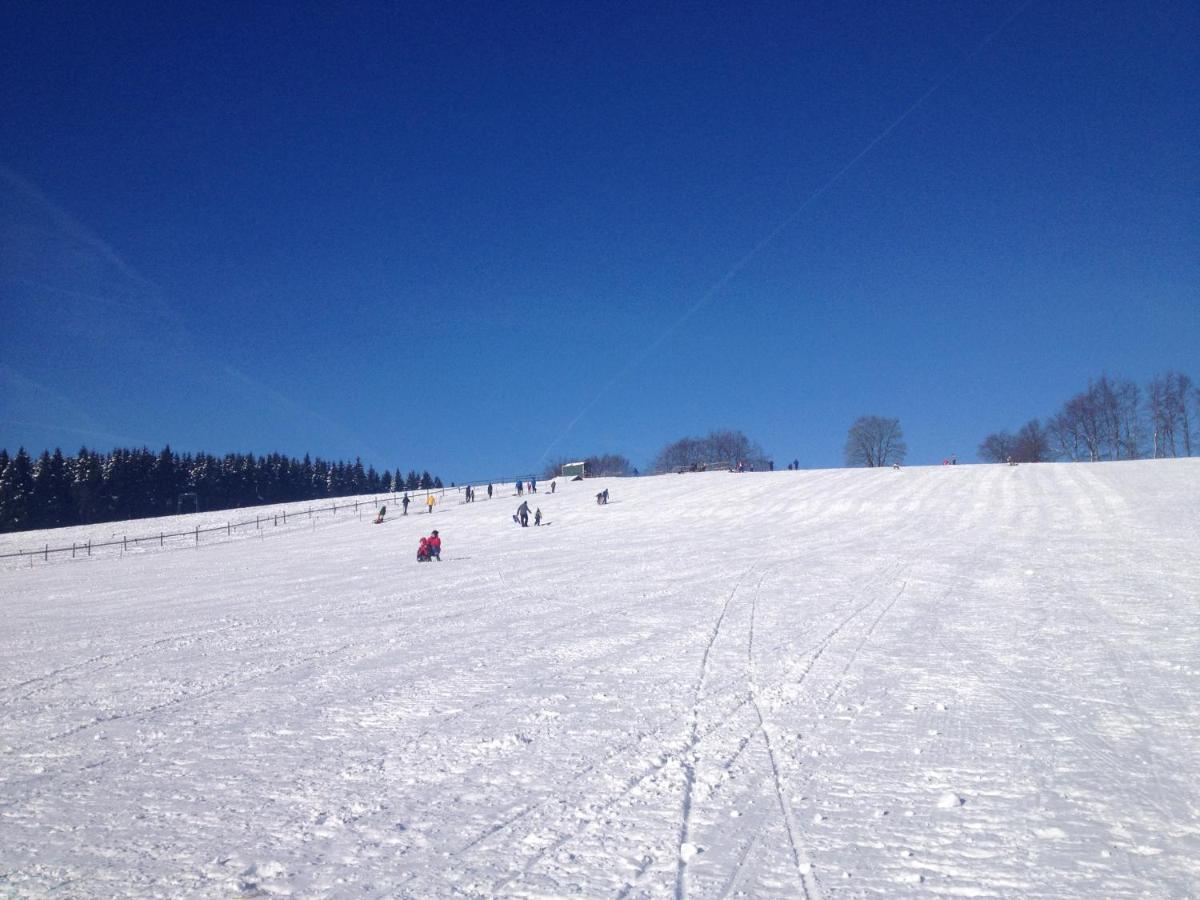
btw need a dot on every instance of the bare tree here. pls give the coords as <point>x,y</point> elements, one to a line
<point>875,441</point>
<point>680,454</point>
<point>723,446</point>
<point>1182,392</point>
<point>1170,415</point>
<point>1032,444</point>
<point>1196,406</point>
<point>607,464</point>
<point>1097,423</point>
<point>1130,419</point>
<point>997,447</point>
<point>1103,400</point>
<point>1162,406</point>
<point>1063,437</point>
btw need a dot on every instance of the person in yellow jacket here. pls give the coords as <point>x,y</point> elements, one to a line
<point>429,501</point>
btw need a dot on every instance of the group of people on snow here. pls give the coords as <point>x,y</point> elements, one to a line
<point>521,516</point>
<point>430,548</point>
<point>429,502</point>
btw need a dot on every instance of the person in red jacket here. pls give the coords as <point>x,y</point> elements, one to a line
<point>423,550</point>
<point>435,546</point>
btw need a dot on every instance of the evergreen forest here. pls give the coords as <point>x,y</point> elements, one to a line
<point>55,490</point>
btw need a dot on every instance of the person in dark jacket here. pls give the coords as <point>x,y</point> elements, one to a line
<point>404,503</point>
<point>522,515</point>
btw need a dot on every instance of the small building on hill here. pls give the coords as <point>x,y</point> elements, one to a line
<point>574,470</point>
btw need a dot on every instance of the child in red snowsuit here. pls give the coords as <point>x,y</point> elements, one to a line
<point>423,550</point>
<point>435,546</point>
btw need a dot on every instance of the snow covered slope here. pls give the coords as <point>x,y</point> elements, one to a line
<point>955,681</point>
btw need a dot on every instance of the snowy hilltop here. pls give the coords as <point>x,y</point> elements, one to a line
<point>948,681</point>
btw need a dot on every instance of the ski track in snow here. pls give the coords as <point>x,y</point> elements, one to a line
<point>952,681</point>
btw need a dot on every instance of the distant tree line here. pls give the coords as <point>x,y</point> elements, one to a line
<point>1112,419</point>
<point>721,446</point>
<point>55,490</point>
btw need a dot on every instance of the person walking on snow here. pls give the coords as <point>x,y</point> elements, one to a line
<point>429,501</point>
<point>520,487</point>
<point>404,503</point>
<point>522,515</point>
<point>537,516</point>
<point>489,492</point>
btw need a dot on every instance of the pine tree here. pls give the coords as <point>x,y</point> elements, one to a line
<point>16,489</point>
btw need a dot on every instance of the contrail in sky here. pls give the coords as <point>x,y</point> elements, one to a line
<point>788,220</point>
<point>148,297</point>
<point>73,227</point>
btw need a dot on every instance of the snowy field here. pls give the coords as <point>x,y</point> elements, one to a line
<point>956,681</point>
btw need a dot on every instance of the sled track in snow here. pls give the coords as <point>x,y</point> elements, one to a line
<point>101,662</point>
<point>799,854</point>
<point>689,768</point>
<point>805,872</point>
<point>607,797</point>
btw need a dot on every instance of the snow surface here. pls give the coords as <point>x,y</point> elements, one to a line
<point>955,681</point>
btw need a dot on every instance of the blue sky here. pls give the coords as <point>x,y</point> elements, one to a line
<point>466,237</point>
